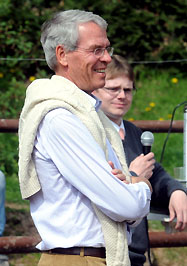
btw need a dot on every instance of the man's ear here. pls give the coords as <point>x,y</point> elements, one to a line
<point>61,55</point>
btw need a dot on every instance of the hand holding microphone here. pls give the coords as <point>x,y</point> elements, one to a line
<point>143,165</point>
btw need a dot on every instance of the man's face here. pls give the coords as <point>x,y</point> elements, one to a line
<point>85,69</point>
<point>116,103</point>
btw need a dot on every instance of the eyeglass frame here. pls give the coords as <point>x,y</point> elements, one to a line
<point>94,51</point>
<point>117,91</point>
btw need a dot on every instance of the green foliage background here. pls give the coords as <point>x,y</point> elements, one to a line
<point>139,30</point>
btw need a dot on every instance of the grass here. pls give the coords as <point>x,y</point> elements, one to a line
<point>13,194</point>
<point>170,256</point>
<point>24,259</point>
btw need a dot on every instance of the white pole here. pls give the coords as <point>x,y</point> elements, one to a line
<point>185,144</point>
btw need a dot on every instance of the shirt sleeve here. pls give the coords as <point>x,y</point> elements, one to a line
<point>82,162</point>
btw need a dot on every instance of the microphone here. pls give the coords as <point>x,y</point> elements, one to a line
<point>147,139</point>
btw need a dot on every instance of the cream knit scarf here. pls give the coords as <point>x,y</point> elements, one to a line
<point>44,95</point>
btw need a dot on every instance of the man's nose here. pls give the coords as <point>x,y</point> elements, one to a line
<point>106,57</point>
<point>122,94</point>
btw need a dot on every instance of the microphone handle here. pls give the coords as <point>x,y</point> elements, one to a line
<point>146,149</point>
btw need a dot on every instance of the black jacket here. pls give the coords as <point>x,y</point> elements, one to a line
<point>163,185</point>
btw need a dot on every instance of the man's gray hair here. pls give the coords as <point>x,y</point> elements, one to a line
<point>62,29</point>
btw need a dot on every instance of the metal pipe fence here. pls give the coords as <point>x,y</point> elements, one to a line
<point>26,244</point>
<point>11,125</point>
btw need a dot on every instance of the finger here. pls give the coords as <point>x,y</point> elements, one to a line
<point>116,171</point>
<point>111,164</point>
<point>149,156</point>
<point>121,177</point>
<point>179,224</point>
<point>126,182</point>
<point>148,175</point>
<point>151,162</point>
<point>171,214</point>
<point>185,219</point>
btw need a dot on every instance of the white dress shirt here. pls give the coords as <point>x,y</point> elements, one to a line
<point>73,172</point>
<point>118,127</point>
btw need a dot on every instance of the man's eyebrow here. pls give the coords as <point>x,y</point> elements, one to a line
<point>112,87</point>
<point>95,46</point>
<point>116,87</point>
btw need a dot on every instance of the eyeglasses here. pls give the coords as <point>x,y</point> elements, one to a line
<point>116,91</point>
<point>99,52</point>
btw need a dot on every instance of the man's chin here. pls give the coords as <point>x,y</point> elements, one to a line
<point>119,115</point>
<point>96,87</point>
<point>100,83</point>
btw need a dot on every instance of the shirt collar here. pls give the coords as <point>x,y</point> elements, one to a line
<point>118,127</point>
<point>94,100</point>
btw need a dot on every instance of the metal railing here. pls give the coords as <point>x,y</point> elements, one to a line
<point>26,244</point>
<point>11,125</point>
